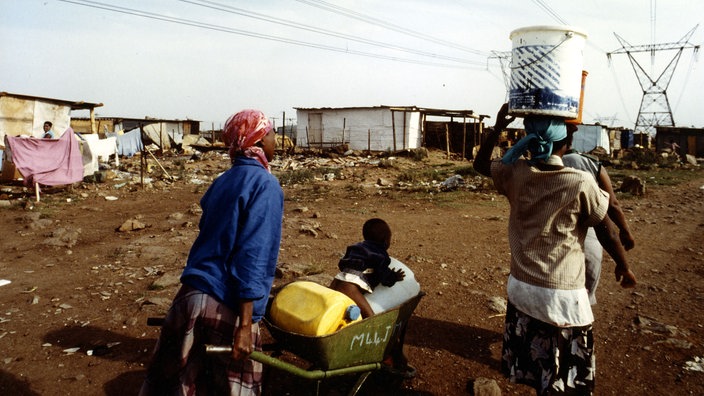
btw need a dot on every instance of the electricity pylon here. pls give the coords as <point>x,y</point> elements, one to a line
<point>654,107</point>
<point>504,58</point>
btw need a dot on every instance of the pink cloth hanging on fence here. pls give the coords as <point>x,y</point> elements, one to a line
<point>50,162</point>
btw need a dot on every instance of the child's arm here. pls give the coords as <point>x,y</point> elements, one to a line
<point>607,233</point>
<point>615,211</point>
<point>394,275</point>
<point>391,276</point>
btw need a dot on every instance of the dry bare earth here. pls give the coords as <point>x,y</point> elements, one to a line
<point>74,319</point>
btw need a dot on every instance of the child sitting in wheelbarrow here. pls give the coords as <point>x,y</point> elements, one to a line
<point>365,266</point>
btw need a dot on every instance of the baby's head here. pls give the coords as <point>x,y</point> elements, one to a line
<point>376,230</point>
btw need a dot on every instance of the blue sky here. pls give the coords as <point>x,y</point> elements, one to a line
<point>139,66</point>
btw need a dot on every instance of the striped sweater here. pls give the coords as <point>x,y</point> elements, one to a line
<point>550,214</point>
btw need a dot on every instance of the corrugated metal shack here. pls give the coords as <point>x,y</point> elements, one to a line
<point>689,140</point>
<point>589,137</point>
<point>388,128</point>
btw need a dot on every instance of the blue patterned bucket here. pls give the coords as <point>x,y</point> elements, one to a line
<point>546,71</point>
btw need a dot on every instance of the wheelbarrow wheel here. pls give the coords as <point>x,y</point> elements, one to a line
<point>386,381</point>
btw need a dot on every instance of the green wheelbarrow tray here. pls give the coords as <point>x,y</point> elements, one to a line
<point>359,347</point>
<point>367,341</point>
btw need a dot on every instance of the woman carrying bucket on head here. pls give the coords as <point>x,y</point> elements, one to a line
<point>548,339</point>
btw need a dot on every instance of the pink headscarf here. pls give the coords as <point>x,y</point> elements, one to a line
<point>243,130</point>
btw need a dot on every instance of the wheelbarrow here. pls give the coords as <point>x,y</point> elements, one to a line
<point>357,349</point>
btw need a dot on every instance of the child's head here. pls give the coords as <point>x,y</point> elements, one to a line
<point>376,230</point>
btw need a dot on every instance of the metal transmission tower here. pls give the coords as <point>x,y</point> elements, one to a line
<point>654,107</point>
<point>504,58</point>
<point>608,121</point>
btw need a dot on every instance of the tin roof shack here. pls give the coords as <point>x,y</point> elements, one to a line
<point>589,137</point>
<point>642,139</point>
<point>460,134</point>
<point>379,128</point>
<point>162,132</point>
<point>621,139</point>
<point>689,140</point>
<point>25,115</point>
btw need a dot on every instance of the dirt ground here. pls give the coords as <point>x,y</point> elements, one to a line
<point>73,320</point>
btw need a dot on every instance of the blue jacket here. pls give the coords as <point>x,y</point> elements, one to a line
<point>372,260</point>
<point>234,256</point>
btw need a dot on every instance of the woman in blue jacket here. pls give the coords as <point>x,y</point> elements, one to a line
<point>228,276</point>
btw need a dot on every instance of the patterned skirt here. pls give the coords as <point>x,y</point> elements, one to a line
<point>180,365</point>
<point>553,360</point>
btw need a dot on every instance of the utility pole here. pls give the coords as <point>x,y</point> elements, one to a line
<point>654,107</point>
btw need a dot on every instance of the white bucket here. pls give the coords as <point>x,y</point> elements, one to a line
<point>546,71</point>
<point>385,298</point>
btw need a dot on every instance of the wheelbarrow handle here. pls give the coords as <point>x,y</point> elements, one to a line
<point>218,349</point>
<point>291,368</point>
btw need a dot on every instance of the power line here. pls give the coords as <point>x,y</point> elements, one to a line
<point>233,10</point>
<point>550,11</point>
<point>202,25</point>
<point>653,11</point>
<point>384,24</point>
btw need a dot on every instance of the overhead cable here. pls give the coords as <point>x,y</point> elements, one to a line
<point>202,25</point>
<point>550,11</point>
<point>389,26</point>
<point>234,10</point>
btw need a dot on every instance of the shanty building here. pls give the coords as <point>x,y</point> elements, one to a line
<point>165,133</point>
<point>689,140</point>
<point>388,128</point>
<point>25,115</point>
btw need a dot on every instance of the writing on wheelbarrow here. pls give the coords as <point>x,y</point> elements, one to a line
<point>375,337</point>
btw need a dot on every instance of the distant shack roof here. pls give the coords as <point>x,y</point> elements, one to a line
<point>687,131</point>
<point>73,105</point>
<point>145,120</point>
<point>425,110</point>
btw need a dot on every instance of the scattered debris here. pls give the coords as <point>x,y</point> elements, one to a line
<point>695,365</point>
<point>172,278</point>
<point>382,182</point>
<point>497,304</point>
<point>649,325</point>
<point>195,209</point>
<point>452,183</point>
<point>161,302</point>
<point>62,237</point>
<point>310,227</point>
<point>100,350</point>
<point>676,342</point>
<point>633,185</point>
<point>483,387</point>
<point>131,225</point>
